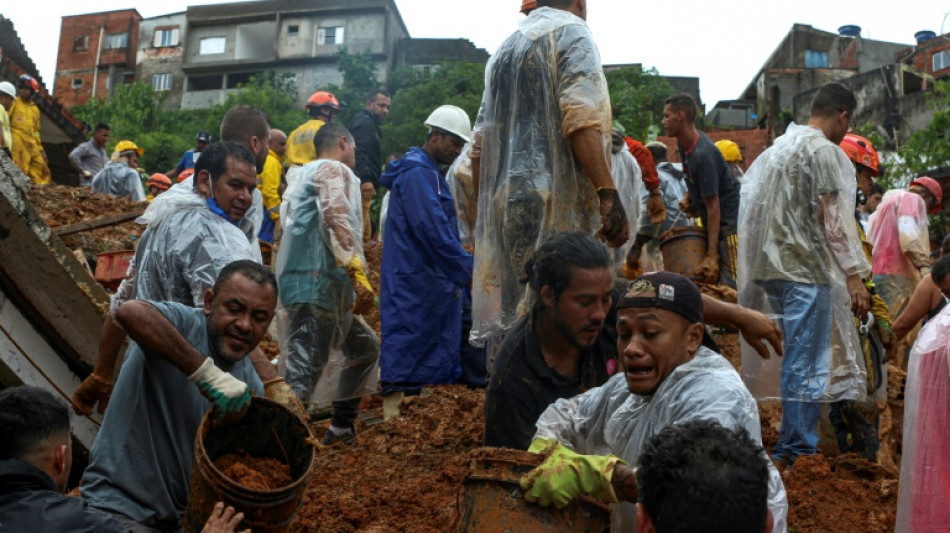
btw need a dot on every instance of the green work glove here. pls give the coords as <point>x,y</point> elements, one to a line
<point>565,475</point>
<point>229,396</point>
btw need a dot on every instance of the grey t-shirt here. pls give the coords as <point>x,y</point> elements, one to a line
<point>141,461</point>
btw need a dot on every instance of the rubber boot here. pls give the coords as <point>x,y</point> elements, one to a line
<point>391,405</point>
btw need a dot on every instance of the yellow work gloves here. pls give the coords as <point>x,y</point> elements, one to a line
<point>566,474</point>
<point>365,297</point>
<point>279,391</point>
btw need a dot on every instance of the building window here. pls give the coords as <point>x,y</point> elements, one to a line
<point>115,41</point>
<point>941,60</point>
<point>81,43</point>
<point>293,30</point>
<point>162,82</point>
<point>165,37</point>
<point>816,59</point>
<point>77,83</point>
<point>211,45</point>
<point>331,35</point>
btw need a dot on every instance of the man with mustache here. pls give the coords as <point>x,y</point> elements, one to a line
<point>140,463</point>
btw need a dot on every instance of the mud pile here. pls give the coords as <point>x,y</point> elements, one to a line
<point>374,260</point>
<point>260,473</point>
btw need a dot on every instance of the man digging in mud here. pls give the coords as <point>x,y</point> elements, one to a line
<point>140,462</point>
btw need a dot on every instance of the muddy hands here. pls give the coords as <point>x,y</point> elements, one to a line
<point>613,220</point>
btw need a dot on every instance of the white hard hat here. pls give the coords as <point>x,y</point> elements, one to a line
<point>452,119</point>
<point>7,88</point>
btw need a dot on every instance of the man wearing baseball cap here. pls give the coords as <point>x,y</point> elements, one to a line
<point>119,177</point>
<point>189,158</point>
<point>668,378</point>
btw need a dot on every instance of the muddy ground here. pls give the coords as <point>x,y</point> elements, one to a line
<point>404,475</point>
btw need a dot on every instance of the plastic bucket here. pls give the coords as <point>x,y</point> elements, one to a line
<point>683,249</point>
<point>491,500</point>
<point>267,430</point>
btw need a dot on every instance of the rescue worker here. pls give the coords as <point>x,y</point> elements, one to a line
<point>157,184</point>
<point>322,107</point>
<point>733,156</point>
<point>28,151</point>
<point>120,177</point>
<point>184,360</point>
<point>189,158</point>
<point>712,190</point>
<point>802,261</point>
<point>425,269</point>
<point>268,183</point>
<point>90,157</point>
<point>567,344</point>
<point>7,95</point>
<point>545,95</point>
<point>591,441</point>
<point>898,232</point>
<point>321,271</point>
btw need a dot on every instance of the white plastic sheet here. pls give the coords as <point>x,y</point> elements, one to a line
<point>628,179</point>
<point>462,188</point>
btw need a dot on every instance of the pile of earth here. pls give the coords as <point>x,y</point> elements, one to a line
<point>259,473</point>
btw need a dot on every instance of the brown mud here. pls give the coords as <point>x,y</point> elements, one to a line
<point>259,473</point>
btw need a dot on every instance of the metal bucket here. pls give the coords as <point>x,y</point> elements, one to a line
<point>491,500</point>
<point>267,430</point>
<point>683,249</point>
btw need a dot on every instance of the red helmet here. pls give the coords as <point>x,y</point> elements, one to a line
<point>27,81</point>
<point>323,99</point>
<point>527,5</point>
<point>861,152</point>
<point>935,189</point>
<point>159,180</point>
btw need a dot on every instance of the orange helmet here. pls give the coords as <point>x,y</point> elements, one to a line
<point>861,152</point>
<point>527,5</point>
<point>935,189</point>
<point>185,174</point>
<point>159,180</point>
<point>27,81</point>
<point>323,99</point>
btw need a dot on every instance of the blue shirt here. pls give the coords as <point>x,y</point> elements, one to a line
<point>187,161</point>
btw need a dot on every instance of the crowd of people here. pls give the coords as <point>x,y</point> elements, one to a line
<point>520,254</point>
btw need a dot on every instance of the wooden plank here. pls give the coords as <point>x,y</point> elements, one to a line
<point>100,222</point>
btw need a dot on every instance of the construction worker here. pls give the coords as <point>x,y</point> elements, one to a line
<point>591,441</point>
<point>90,157</point>
<point>321,271</point>
<point>28,151</point>
<point>733,156</point>
<point>7,95</point>
<point>545,95</point>
<point>425,269</point>
<point>188,159</point>
<point>322,107</point>
<point>802,261</point>
<point>711,189</point>
<point>157,184</point>
<point>268,183</point>
<point>120,177</point>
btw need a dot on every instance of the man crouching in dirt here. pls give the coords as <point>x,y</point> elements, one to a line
<point>140,463</point>
<point>567,344</point>
<point>668,378</point>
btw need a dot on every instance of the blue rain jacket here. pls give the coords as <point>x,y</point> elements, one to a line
<point>424,272</point>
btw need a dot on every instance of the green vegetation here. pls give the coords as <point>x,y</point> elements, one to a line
<point>637,97</point>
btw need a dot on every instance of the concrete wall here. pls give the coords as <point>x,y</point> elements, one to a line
<point>752,143</point>
<point>151,60</point>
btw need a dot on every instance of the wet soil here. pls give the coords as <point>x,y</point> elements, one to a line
<point>260,473</point>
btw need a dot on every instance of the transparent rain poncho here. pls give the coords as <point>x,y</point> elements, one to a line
<point>923,502</point>
<point>898,231</point>
<point>543,84</point>
<point>383,215</point>
<point>627,177</point>
<point>329,353</point>
<point>612,420</point>
<point>462,188</point>
<point>118,179</point>
<point>797,233</point>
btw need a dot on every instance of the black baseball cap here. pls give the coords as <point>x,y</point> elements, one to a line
<point>670,291</point>
<point>203,137</point>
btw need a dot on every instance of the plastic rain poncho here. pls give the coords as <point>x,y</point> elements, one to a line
<point>383,215</point>
<point>118,179</point>
<point>424,273</point>
<point>543,84</point>
<point>612,420</point>
<point>796,224</point>
<point>673,188</point>
<point>185,246</point>
<point>322,218</point>
<point>898,231</point>
<point>923,502</point>
<point>627,177</point>
<point>459,177</point>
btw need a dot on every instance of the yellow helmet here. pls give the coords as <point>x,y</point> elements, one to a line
<point>128,146</point>
<point>730,151</point>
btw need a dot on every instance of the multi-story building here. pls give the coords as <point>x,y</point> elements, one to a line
<point>931,55</point>
<point>96,53</point>
<point>160,55</point>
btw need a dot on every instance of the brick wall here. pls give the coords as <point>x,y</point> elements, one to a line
<point>79,64</point>
<point>751,143</point>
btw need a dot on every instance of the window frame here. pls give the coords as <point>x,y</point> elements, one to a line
<point>945,54</point>
<point>109,43</point>
<point>85,43</point>
<point>162,81</point>
<point>174,37</point>
<point>338,35</point>
<point>224,45</point>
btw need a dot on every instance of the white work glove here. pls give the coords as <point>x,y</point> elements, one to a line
<point>229,396</point>
<point>86,174</point>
